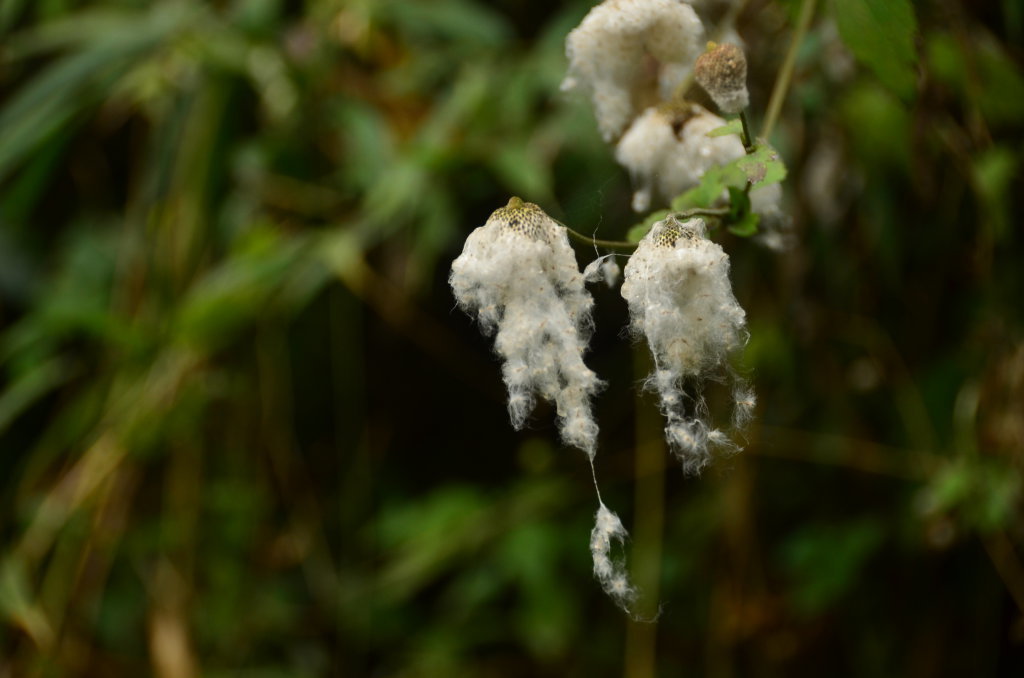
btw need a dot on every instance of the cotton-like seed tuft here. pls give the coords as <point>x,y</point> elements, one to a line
<point>611,573</point>
<point>667,150</point>
<point>603,268</point>
<point>518,276</point>
<point>744,402</point>
<point>722,72</point>
<point>628,54</point>
<point>681,301</point>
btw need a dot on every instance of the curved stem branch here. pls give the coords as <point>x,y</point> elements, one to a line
<point>597,242</point>
<point>748,142</point>
<point>714,212</point>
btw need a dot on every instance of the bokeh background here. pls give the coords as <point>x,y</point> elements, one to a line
<point>244,432</point>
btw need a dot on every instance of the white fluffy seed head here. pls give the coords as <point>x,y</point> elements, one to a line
<point>518,276</point>
<point>681,301</point>
<point>680,298</point>
<point>667,150</point>
<point>628,54</point>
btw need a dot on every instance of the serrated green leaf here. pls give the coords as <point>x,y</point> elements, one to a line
<point>763,166</point>
<point>734,126</point>
<point>880,33</point>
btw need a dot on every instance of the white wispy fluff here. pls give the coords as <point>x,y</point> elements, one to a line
<point>667,150</point>
<point>610,572</point>
<point>680,299</point>
<point>518,275</point>
<point>628,54</point>
<point>603,268</point>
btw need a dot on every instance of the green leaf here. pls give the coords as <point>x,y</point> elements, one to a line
<point>637,233</point>
<point>734,126</point>
<point>28,388</point>
<point>242,290</point>
<point>523,170</point>
<point>712,185</point>
<point>883,126</point>
<point>995,82</point>
<point>880,33</point>
<point>994,171</point>
<point>16,601</point>
<point>741,220</point>
<point>760,168</point>
<point>763,166</point>
<point>824,562</point>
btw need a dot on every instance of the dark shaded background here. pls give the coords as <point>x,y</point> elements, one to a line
<point>243,431</point>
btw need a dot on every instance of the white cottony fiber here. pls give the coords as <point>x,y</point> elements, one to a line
<point>610,572</point>
<point>518,275</point>
<point>628,53</point>
<point>667,150</point>
<point>603,268</point>
<point>680,299</point>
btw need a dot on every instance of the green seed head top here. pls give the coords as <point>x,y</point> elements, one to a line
<point>671,230</point>
<point>524,218</point>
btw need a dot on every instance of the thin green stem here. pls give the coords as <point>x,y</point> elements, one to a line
<point>748,142</point>
<point>648,528</point>
<point>786,72</point>
<point>597,242</point>
<point>714,212</point>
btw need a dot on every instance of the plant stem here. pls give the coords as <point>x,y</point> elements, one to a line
<point>715,212</point>
<point>748,143</point>
<point>786,72</point>
<point>597,242</point>
<point>648,529</point>
<point>1007,564</point>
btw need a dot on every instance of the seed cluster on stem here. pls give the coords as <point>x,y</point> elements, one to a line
<point>518,276</point>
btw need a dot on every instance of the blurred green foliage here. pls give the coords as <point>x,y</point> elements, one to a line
<point>243,433</point>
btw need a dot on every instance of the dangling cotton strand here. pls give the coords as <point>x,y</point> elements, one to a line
<point>628,54</point>
<point>518,275</point>
<point>681,301</point>
<point>609,571</point>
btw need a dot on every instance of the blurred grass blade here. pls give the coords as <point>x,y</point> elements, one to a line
<point>29,388</point>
